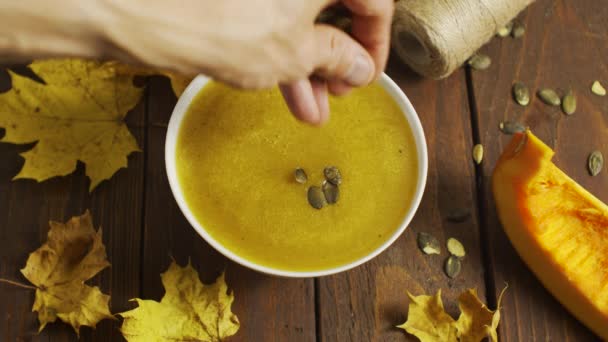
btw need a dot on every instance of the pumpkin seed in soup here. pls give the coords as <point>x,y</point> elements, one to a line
<point>569,103</point>
<point>480,61</point>
<point>331,192</point>
<point>549,96</point>
<point>428,243</point>
<point>316,198</point>
<point>332,174</point>
<point>521,93</point>
<point>452,266</point>
<point>595,163</point>
<point>300,176</point>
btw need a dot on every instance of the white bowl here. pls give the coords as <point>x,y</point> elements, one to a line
<point>170,144</point>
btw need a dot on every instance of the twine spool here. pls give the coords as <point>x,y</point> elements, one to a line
<point>435,37</point>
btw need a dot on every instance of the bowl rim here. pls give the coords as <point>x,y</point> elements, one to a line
<point>408,111</point>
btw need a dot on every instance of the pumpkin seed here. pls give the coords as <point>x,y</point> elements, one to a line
<point>595,163</point>
<point>332,174</point>
<point>300,176</point>
<point>518,30</point>
<point>458,215</point>
<point>521,93</point>
<point>331,192</point>
<point>452,266</point>
<point>455,248</point>
<point>505,30</point>
<point>569,103</point>
<point>480,61</point>
<point>549,96</point>
<point>428,243</point>
<point>478,153</point>
<point>510,127</point>
<point>598,89</point>
<point>316,198</point>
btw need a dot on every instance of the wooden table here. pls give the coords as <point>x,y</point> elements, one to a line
<point>565,46</point>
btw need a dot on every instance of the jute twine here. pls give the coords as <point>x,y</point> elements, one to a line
<point>435,37</point>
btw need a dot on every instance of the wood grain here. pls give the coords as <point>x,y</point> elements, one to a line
<point>25,209</point>
<point>366,303</point>
<point>565,47</point>
<point>270,308</point>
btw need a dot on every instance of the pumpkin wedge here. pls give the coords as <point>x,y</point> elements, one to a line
<point>558,228</point>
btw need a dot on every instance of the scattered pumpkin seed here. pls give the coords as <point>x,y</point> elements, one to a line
<point>331,192</point>
<point>518,30</point>
<point>478,153</point>
<point>480,61</point>
<point>455,248</point>
<point>332,174</point>
<point>316,198</point>
<point>458,215</point>
<point>300,175</point>
<point>428,243</point>
<point>598,89</point>
<point>452,266</point>
<point>569,103</point>
<point>521,93</point>
<point>549,96</point>
<point>505,30</point>
<point>510,127</point>
<point>595,162</point>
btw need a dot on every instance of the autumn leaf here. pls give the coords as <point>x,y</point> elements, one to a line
<point>189,311</point>
<point>428,321</point>
<point>72,254</point>
<point>77,115</point>
<point>179,82</point>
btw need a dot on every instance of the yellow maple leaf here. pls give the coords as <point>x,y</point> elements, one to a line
<point>428,321</point>
<point>179,82</point>
<point>77,115</point>
<point>189,311</point>
<point>72,254</point>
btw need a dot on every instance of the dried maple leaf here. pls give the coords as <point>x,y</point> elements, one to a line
<point>428,321</point>
<point>189,311</point>
<point>77,115</point>
<point>72,254</point>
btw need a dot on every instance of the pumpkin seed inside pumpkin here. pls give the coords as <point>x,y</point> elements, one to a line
<point>300,175</point>
<point>331,192</point>
<point>452,266</point>
<point>595,163</point>
<point>480,61</point>
<point>332,174</point>
<point>316,198</point>
<point>598,89</point>
<point>455,248</point>
<point>521,93</point>
<point>428,243</point>
<point>569,103</point>
<point>549,96</point>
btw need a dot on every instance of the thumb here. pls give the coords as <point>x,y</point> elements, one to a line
<point>341,58</point>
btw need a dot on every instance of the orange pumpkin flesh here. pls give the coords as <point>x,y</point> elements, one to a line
<point>558,228</point>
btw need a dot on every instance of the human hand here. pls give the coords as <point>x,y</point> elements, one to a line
<point>255,44</point>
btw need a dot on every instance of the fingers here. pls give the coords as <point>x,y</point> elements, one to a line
<point>372,27</point>
<point>338,88</point>
<point>339,57</point>
<point>307,100</point>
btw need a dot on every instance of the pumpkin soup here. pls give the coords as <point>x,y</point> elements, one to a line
<point>236,154</point>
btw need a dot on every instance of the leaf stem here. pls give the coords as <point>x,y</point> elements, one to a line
<point>17,284</point>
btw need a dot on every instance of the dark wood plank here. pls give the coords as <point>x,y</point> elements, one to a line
<point>25,209</point>
<point>565,46</point>
<point>366,303</point>
<point>269,308</point>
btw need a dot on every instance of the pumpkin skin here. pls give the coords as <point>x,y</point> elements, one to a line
<point>558,228</point>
